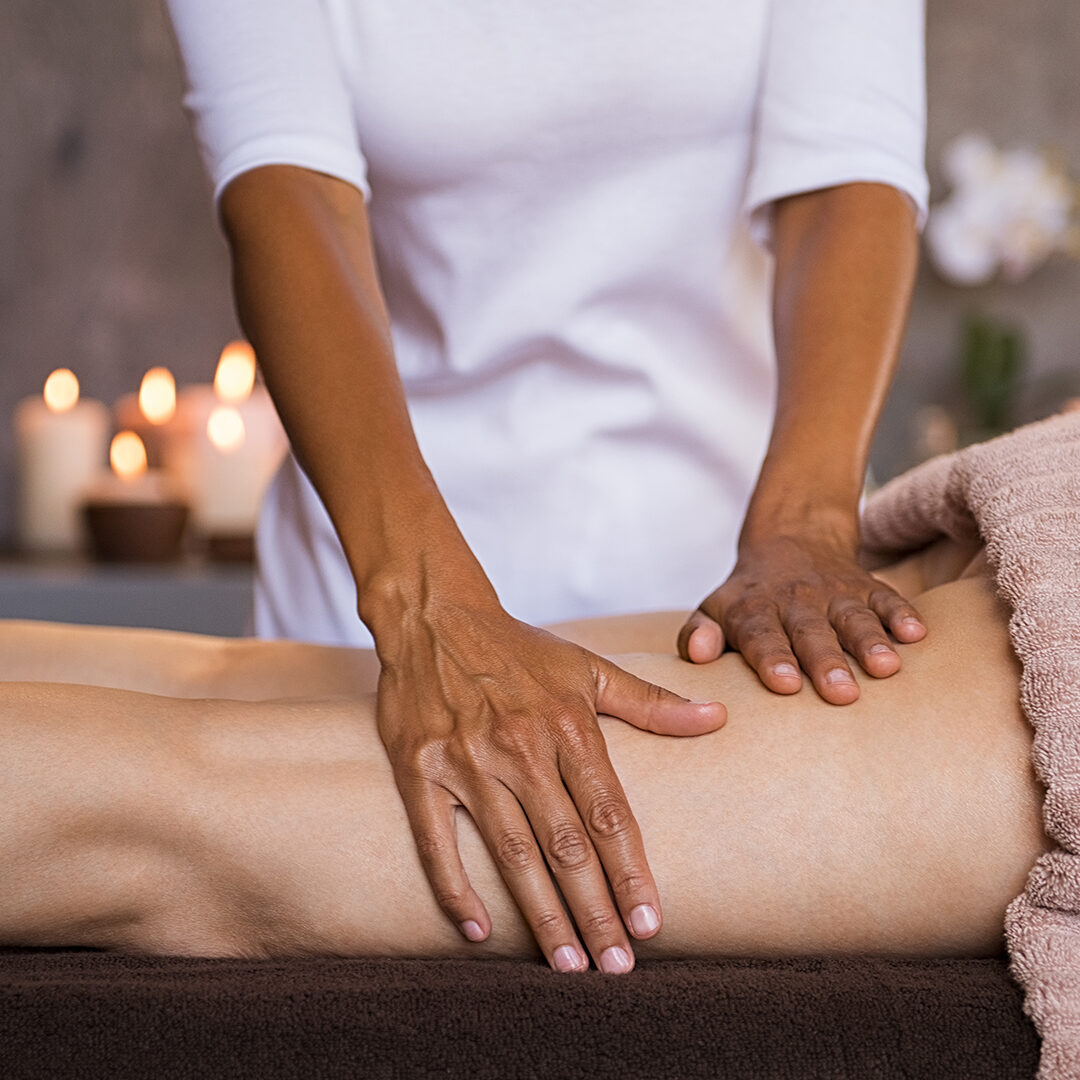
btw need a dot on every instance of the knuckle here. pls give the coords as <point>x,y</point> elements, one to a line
<point>416,761</point>
<point>885,597</point>
<point>471,758</point>
<point>631,884</point>
<point>602,923</point>
<point>796,592</point>
<point>569,848</point>
<point>767,649</point>
<point>657,694</point>
<point>514,851</point>
<point>449,898</point>
<point>548,922</point>
<point>514,734</point>
<point>748,609</point>
<point>431,847</point>
<point>806,625</point>
<point>609,816</point>
<point>428,759</point>
<point>755,634</point>
<point>848,618</point>
<point>570,721</point>
<point>577,734</point>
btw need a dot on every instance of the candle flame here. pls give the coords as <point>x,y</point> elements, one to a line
<point>225,429</point>
<point>235,375</point>
<point>127,455</point>
<point>157,395</point>
<point>61,391</point>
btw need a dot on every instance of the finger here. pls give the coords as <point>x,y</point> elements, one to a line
<point>613,830</point>
<point>904,622</point>
<point>573,859</point>
<point>651,707</point>
<point>756,631</point>
<point>701,640</point>
<point>430,810</point>
<point>815,643</point>
<point>512,844</point>
<point>860,633</point>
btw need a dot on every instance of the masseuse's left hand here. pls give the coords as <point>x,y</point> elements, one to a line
<point>802,601</point>
<point>844,266</point>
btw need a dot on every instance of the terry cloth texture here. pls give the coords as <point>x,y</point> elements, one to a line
<point>1021,493</point>
<point>97,1016</point>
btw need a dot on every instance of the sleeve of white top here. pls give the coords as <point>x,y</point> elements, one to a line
<point>265,88</point>
<point>843,99</point>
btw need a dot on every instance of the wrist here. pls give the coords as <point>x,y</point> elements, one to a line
<point>429,587</point>
<point>802,511</point>
<point>807,488</point>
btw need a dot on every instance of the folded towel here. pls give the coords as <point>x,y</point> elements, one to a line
<point>1021,493</point>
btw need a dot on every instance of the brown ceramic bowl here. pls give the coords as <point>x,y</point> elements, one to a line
<point>135,532</point>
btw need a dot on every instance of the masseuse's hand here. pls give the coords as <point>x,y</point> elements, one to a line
<point>844,263</point>
<point>802,601</point>
<point>481,711</point>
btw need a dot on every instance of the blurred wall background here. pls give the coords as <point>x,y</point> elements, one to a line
<point>110,260</point>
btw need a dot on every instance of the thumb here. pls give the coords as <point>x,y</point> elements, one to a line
<point>651,707</point>
<point>701,638</point>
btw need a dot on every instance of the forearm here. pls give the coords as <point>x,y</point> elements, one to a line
<point>308,296</point>
<point>845,265</point>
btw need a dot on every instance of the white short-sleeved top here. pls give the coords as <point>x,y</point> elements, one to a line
<point>569,205</point>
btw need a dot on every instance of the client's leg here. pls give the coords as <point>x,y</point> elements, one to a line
<point>179,664</point>
<point>902,824</point>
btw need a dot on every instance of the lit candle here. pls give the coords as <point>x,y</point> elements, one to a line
<point>60,444</point>
<point>150,412</point>
<point>134,513</point>
<point>234,378</point>
<point>128,478</point>
<point>157,396</point>
<point>228,444</point>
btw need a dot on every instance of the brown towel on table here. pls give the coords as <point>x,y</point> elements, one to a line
<point>1021,493</point>
<point>101,1016</point>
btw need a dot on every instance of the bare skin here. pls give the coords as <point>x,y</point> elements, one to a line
<point>457,672</point>
<point>902,825</point>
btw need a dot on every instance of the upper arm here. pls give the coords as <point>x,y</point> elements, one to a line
<point>842,100</point>
<point>265,86</point>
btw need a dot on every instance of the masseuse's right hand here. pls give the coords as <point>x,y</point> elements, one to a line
<point>481,711</point>
<point>475,709</point>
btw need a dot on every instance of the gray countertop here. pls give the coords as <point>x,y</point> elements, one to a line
<point>204,597</point>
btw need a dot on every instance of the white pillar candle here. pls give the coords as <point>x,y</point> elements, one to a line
<point>60,445</point>
<point>226,478</point>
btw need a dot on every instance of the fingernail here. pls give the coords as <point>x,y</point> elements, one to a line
<point>876,650</point>
<point>915,624</point>
<point>839,676</point>
<point>644,920</point>
<point>615,961</point>
<point>472,930</point>
<point>786,671</point>
<point>567,958</point>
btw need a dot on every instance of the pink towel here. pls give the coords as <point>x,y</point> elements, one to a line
<point>1021,493</point>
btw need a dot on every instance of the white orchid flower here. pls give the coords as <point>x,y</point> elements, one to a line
<point>1008,211</point>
